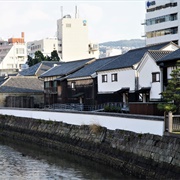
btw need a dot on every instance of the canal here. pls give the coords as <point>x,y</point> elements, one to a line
<point>19,161</point>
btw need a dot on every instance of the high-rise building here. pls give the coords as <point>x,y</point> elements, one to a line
<point>13,55</point>
<point>162,22</point>
<point>73,41</point>
<point>46,46</point>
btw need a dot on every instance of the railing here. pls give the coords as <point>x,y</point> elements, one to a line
<point>172,123</point>
<point>80,107</point>
<point>51,90</point>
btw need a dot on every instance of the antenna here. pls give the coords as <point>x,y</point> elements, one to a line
<point>61,11</point>
<point>76,12</point>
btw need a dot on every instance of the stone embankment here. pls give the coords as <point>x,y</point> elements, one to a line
<point>141,155</point>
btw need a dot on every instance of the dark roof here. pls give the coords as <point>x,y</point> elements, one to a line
<point>66,68</point>
<point>131,58</point>
<point>144,90</point>
<point>122,90</point>
<point>175,55</point>
<point>21,84</point>
<point>38,69</point>
<point>157,54</point>
<point>89,69</point>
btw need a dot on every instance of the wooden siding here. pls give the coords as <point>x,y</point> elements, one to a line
<point>86,86</point>
<point>145,109</point>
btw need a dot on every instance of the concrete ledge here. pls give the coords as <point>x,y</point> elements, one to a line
<point>134,116</point>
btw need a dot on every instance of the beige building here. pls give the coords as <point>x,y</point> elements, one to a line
<point>73,41</point>
<point>46,46</point>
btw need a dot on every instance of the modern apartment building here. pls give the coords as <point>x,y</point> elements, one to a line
<point>162,21</point>
<point>73,41</point>
<point>46,46</point>
<point>13,55</point>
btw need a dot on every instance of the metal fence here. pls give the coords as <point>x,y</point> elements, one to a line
<point>81,107</point>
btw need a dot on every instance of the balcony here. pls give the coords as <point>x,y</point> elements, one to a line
<point>50,90</point>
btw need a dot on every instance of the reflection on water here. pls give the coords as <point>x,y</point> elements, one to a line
<point>29,162</point>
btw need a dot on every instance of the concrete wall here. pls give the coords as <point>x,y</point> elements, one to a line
<point>145,156</point>
<point>135,123</point>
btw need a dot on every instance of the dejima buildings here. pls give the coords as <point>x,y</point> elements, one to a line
<point>162,21</point>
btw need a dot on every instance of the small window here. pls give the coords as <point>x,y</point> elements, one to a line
<point>54,83</point>
<point>104,78</point>
<point>114,77</point>
<point>46,84</point>
<point>68,25</point>
<point>156,77</point>
<point>73,85</point>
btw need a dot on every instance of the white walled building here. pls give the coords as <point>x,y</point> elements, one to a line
<point>162,21</point>
<point>13,55</point>
<point>73,41</point>
<point>135,72</point>
<point>46,46</point>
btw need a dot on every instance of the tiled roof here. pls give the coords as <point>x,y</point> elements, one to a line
<point>22,84</point>
<point>66,68</point>
<point>38,69</point>
<point>173,56</point>
<point>89,69</point>
<point>157,54</point>
<point>131,58</point>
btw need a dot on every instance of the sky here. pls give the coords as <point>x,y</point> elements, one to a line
<point>107,20</point>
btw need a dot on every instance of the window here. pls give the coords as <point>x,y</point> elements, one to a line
<point>73,85</point>
<point>156,77</point>
<point>114,77</point>
<point>20,51</point>
<point>46,84</point>
<point>173,30</point>
<point>104,78</point>
<point>54,83</point>
<point>68,25</point>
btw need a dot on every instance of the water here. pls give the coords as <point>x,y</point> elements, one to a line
<point>20,161</point>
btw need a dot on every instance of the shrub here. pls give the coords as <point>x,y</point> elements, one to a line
<point>112,109</point>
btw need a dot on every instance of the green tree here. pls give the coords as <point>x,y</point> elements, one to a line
<point>30,61</point>
<point>54,56</point>
<point>40,57</point>
<point>171,95</point>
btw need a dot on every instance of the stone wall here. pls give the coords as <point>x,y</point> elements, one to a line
<point>141,155</point>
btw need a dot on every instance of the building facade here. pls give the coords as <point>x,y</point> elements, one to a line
<point>162,21</point>
<point>73,41</point>
<point>13,55</point>
<point>46,46</point>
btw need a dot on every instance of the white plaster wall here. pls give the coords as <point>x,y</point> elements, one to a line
<point>148,66</point>
<point>169,71</point>
<point>126,78</point>
<point>110,122</point>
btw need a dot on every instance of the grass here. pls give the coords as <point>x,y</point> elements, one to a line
<point>95,128</point>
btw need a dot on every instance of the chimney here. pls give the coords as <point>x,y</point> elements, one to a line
<point>22,35</point>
